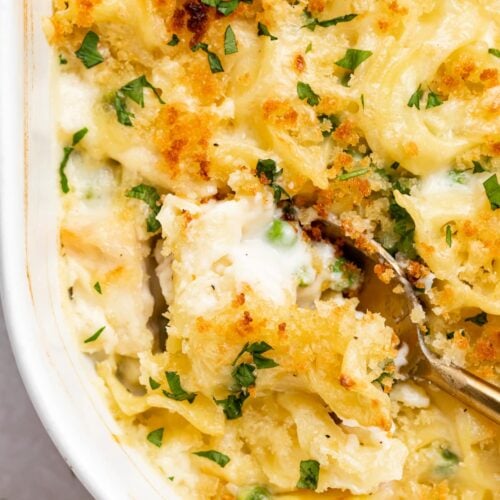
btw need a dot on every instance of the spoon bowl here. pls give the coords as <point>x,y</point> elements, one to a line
<point>386,290</point>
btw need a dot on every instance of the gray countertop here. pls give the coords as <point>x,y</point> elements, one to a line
<point>30,466</point>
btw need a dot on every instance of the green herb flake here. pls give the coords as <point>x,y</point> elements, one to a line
<point>213,59</point>
<point>153,383</point>
<point>448,235</point>
<point>88,53</point>
<point>178,393</point>
<point>135,90</point>
<point>494,52</point>
<point>332,121</point>
<point>62,60</point>
<point>156,437</point>
<point>309,474</point>
<point>433,100</point>
<point>94,337</point>
<point>171,478</point>
<point>479,319</point>
<point>232,405</point>
<point>77,137</point>
<point>313,22</point>
<point>97,288</point>
<point>478,168</point>
<point>254,493</point>
<point>268,172</point>
<point>450,456</point>
<point>262,30</point>
<point>216,456</point>
<point>257,349</point>
<point>404,227</point>
<point>354,173</point>
<point>304,91</point>
<point>122,113</point>
<point>230,43</point>
<point>457,176</point>
<point>174,40</point>
<point>353,58</point>
<point>309,47</point>
<point>244,375</point>
<point>225,7</point>
<point>415,98</point>
<point>150,196</point>
<point>363,101</point>
<point>62,170</point>
<point>492,189</point>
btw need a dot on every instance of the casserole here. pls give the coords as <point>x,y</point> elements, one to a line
<point>60,382</point>
<point>257,173</point>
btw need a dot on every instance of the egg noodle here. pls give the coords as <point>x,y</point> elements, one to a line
<point>202,139</point>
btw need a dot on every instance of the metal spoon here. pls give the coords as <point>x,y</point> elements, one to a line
<point>377,296</point>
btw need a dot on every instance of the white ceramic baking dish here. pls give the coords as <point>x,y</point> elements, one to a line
<point>60,381</point>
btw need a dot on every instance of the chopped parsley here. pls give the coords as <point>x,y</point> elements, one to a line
<point>309,474</point>
<point>404,227</point>
<point>494,52</point>
<point>97,288</point>
<point>433,100</point>
<point>312,22</point>
<point>449,235</point>
<point>415,98</point>
<point>304,91</point>
<point>492,189</point>
<point>457,176</point>
<point>309,47</point>
<point>478,168</point>
<point>62,59</point>
<point>450,456</point>
<point>232,405</point>
<point>178,393</point>
<point>133,90</point>
<point>230,43</point>
<point>332,121</point>
<point>225,7</point>
<point>479,319</point>
<point>267,172</point>
<point>174,40</point>
<point>153,383</point>
<point>354,173</point>
<point>449,461</point>
<point>262,30</point>
<point>213,58</point>
<point>77,137</point>
<point>88,53</point>
<point>244,375</point>
<point>216,456</point>
<point>156,437</point>
<point>150,196</point>
<point>257,349</point>
<point>362,98</point>
<point>353,58</point>
<point>254,493</point>
<point>94,337</point>
<point>122,113</point>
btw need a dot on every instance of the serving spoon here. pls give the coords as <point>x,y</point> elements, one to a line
<point>395,299</point>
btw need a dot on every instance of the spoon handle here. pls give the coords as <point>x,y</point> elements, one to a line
<point>463,385</point>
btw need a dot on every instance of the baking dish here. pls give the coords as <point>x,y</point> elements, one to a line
<point>60,380</point>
